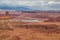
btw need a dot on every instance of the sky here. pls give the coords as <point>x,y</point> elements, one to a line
<point>34,4</point>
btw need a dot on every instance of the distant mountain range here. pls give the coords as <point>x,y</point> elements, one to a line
<point>18,8</point>
<point>23,8</point>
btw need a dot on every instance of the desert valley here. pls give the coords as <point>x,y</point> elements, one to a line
<point>29,25</point>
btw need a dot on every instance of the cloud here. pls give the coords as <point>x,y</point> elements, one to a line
<point>34,4</point>
<point>52,2</point>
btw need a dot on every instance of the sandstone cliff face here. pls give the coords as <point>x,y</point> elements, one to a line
<point>57,19</point>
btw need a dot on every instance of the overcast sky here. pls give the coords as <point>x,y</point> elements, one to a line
<point>34,4</point>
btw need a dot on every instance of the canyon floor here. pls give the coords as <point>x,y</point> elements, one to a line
<point>48,29</point>
<point>29,31</point>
